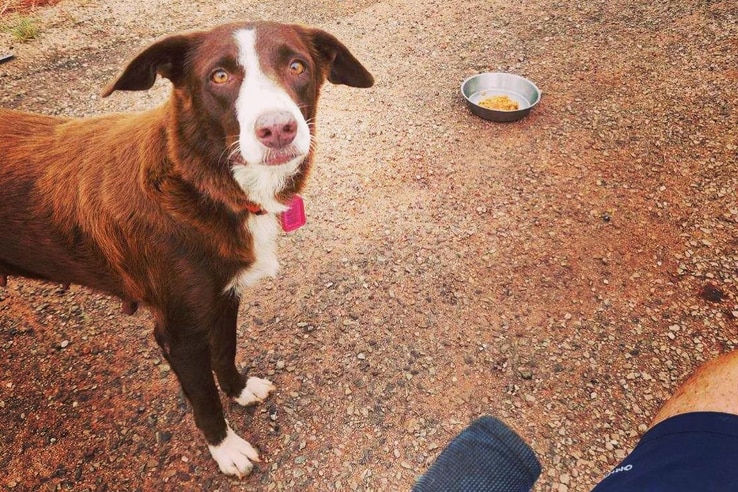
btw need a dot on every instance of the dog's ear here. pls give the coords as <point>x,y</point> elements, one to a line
<point>344,68</point>
<point>166,58</point>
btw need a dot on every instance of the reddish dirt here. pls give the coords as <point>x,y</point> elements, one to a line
<point>24,6</point>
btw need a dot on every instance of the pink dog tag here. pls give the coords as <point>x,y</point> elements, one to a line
<point>294,217</point>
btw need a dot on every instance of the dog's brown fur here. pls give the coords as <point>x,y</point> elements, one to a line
<point>144,207</point>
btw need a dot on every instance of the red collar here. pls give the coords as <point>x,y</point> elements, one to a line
<point>254,208</point>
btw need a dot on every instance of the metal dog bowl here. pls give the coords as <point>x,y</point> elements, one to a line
<point>484,85</point>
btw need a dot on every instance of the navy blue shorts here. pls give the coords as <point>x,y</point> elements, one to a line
<point>687,453</point>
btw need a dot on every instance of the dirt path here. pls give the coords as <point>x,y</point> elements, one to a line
<point>563,273</point>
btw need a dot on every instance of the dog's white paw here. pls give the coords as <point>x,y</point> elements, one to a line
<point>234,455</point>
<point>256,390</point>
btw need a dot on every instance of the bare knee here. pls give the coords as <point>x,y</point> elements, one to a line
<point>713,387</point>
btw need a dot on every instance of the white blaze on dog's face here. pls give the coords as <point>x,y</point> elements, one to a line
<point>274,138</point>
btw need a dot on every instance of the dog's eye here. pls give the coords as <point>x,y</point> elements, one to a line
<point>219,76</point>
<point>297,67</point>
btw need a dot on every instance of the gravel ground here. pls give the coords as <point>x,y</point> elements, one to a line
<point>564,273</point>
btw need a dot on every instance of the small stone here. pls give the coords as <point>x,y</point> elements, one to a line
<point>64,344</point>
<point>525,374</point>
<point>163,437</point>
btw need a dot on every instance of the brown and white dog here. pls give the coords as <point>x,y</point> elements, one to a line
<point>176,208</point>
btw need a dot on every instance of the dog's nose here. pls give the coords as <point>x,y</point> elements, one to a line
<point>276,129</point>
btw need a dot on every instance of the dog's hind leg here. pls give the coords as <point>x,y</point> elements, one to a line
<point>223,353</point>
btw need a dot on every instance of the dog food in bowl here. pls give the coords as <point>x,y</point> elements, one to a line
<point>484,86</point>
<point>500,103</point>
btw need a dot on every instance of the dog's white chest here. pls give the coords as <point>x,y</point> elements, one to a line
<point>264,230</point>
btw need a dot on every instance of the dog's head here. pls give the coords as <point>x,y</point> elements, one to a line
<point>246,96</point>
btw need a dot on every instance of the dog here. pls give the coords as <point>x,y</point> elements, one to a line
<point>177,208</point>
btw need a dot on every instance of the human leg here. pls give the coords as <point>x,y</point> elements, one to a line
<point>712,388</point>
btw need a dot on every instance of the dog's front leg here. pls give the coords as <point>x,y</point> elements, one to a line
<point>223,348</point>
<point>223,354</point>
<point>188,353</point>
